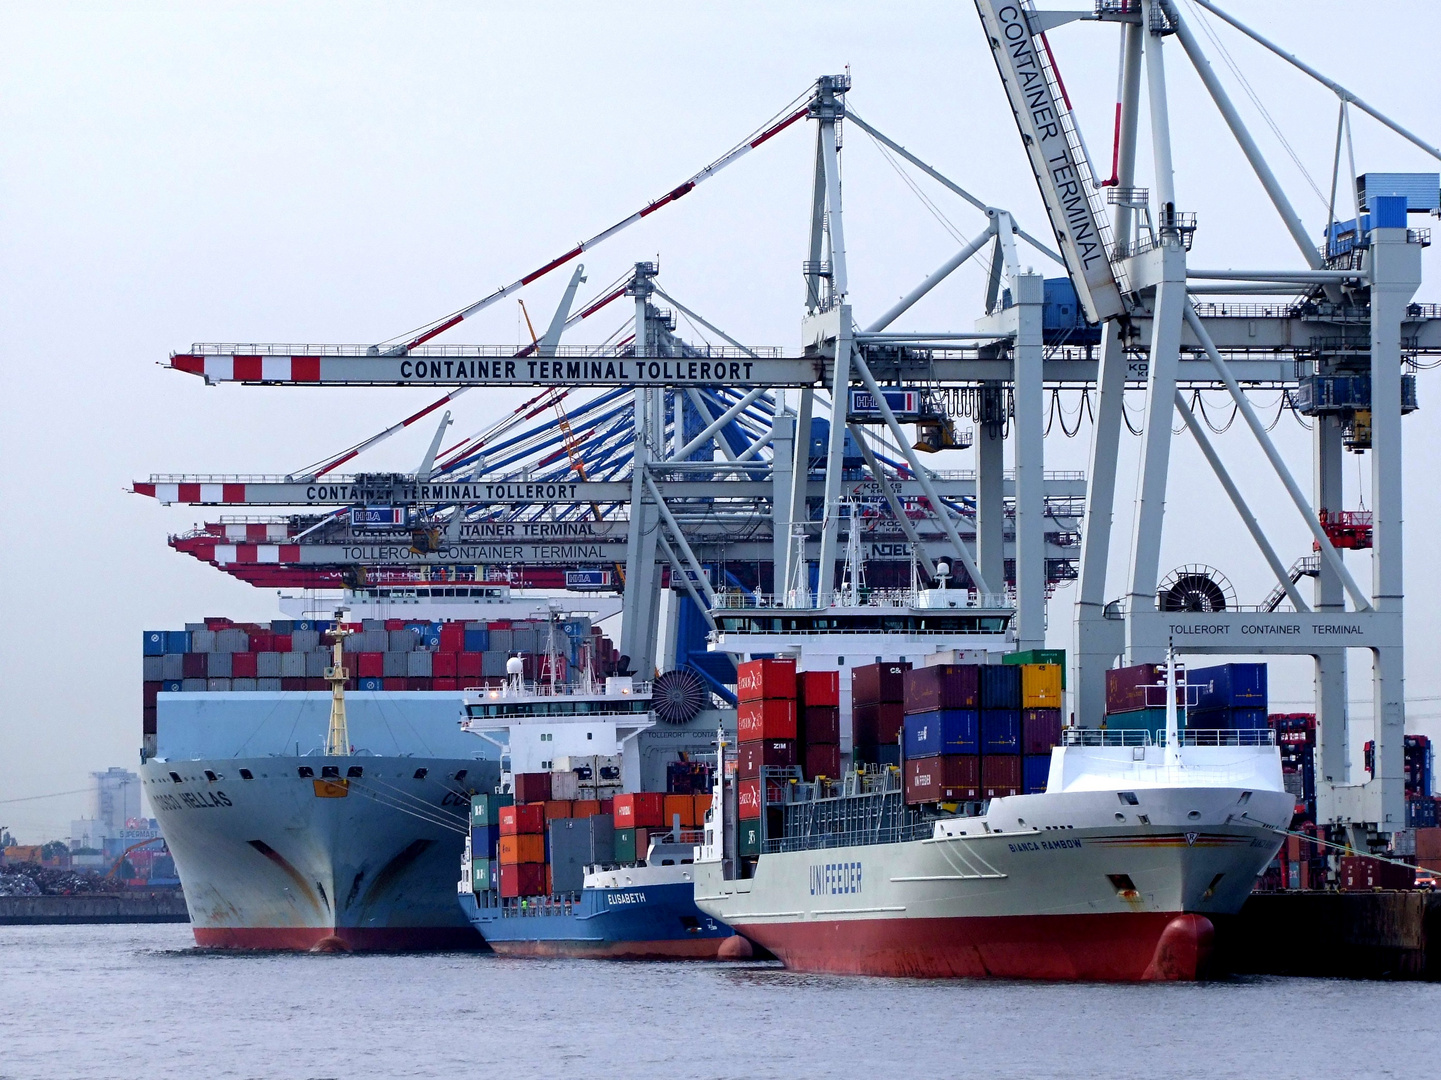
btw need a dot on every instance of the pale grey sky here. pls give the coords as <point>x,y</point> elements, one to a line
<point>322,172</point>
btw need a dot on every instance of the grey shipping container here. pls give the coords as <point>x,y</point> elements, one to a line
<point>304,640</point>
<point>267,665</point>
<point>232,641</point>
<point>417,664</point>
<point>565,785</point>
<point>194,627</point>
<point>172,666</point>
<point>217,685</point>
<point>192,686</point>
<point>576,843</point>
<point>265,684</point>
<point>292,665</point>
<point>500,642</point>
<point>202,640</point>
<point>492,662</point>
<point>393,665</point>
<point>152,668</point>
<point>368,625</point>
<point>246,685</point>
<point>522,641</point>
<point>401,640</point>
<point>221,665</point>
<point>315,663</point>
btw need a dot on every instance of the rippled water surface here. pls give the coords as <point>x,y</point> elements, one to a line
<point>141,1001</point>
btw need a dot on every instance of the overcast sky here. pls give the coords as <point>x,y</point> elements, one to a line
<point>302,172</point>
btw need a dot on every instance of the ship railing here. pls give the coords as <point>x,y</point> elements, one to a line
<point>859,837</point>
<point>1221,737</point>
<point>1104,737</point>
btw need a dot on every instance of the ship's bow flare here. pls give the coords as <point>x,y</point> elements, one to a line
<point>1183,951</point>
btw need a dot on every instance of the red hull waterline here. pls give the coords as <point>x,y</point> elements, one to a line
<point>1140,947</point>
<point>703,949</point>
<point>340,938</point>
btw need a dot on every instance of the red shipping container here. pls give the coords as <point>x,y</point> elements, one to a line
<point>758,680</point>
<point>752,755</point>
<point>821,725</point>
<point>445,684</point>
<point>822,759</point>
<point>262,643</point>
<point>1131,689</point>
<point>771,719</point>
<point>944,686</point>
<point>395,624</point>
<point>748,799</point>
<point>147,720</point>
<point>878,724</point>
<point>418,682</point>
<point>557,808</point>
<point>874,683</point>
<point>1361,874</point>
<point>195,665</point>
<point>532,787</point>
<point>948,778</point>
<point>1000,775</point>
<point>282,643</point>
<point>443,664</point>
<point>370,665</point>
<point>393,683</point>
<point>584,808</point>
<point>642,844</point>
<point>149,691</point>
<point>242,665</point>
<point>1040,730</point>
<point>522,818</point>
<point>607,806</point>
<point>522,879</point>
<point>640,809</point>
<point>452,637</point>
<point>468,664</point>
<point>821,688</point>
<point>292,682</point>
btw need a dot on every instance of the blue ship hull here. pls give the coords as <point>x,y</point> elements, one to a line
<point>633,923</point>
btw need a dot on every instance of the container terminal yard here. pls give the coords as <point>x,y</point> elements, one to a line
<point>832,590</point>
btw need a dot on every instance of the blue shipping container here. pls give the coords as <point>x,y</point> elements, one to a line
<point>1243,719</point>
<point>1000,686</point>
<point>154,643</point>
<point>484,841</point>
<point>372,683</point>
<point>943,731</point>
<point>303,624</point>
<point>1228,686</point>
<point>477,640</point>
<point>171,686</point>
<point>1001,729</point>
<point>177,641</point>
<point>1035,770</point>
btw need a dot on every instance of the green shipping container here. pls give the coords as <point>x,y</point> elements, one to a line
<point>1152,720</point>
<point>748,839</point>
<point>480,875</point>
<point>1039,656</point>
<point>625,846</point>
<point>485,809</point>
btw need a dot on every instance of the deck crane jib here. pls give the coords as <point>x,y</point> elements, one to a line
<point>1057,154</point>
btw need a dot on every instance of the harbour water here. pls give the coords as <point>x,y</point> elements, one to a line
<point>141,1001</point>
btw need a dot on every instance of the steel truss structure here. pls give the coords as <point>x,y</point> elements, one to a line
<point>693,467</point>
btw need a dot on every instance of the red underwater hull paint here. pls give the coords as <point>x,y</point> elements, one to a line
<point>1124,947</point>
<point>355,938</point>
<point>701,949</point>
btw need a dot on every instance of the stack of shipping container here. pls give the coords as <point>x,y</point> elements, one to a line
<point>877,712</point>
<point>818,711</point>
<point>979,731</point>
<point>1224,697</point>
<point>559,822</point>
<point>220,656</point>
<point>766,733</point>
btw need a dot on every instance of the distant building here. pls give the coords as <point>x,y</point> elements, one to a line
<point>115,799</point>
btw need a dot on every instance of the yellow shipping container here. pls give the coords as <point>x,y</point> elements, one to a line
<point>525,848</point>
<point>1040,686</point>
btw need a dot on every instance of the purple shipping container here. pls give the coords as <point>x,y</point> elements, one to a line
<point>195,665</point>
<point>952,778</point>
<point>877,724</point>
<point>1131,689</point>
<point>1000,775</point>
<point>1040,730</point>
<point>1000,731</point>
<point>872,684</point>
<point>945,686</point>
<point>821,725</point>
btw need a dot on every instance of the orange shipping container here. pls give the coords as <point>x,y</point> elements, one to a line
<point>1040,686</point>
<point>522,818</point>
<point>522,848</point>
<point>583,808</point>
<point>682,806</point>
<point>557,808</point>
<point>702,807</point>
